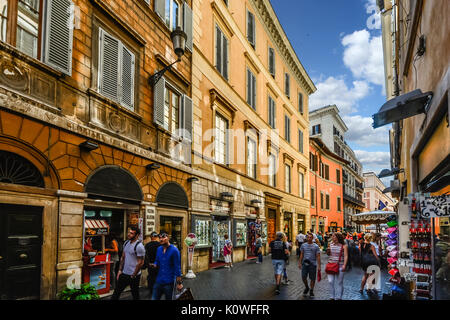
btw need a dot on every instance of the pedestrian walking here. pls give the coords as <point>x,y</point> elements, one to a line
<point>369,257</point>
<point>338,253</point>
<point>227,251</point>
<point>286,260</point>
<point>130,266</point>
<point>258,248</point>
<point>279,251</point>
<point>150,257</point>
<point>112,247</point>
<point>309,263</point>
<point>169,263</point>
<point>299,240</point>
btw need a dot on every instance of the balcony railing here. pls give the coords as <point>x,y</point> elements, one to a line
<point>353,200</point>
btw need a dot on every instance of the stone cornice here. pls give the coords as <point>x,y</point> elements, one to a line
<point>332,110</point>
<point>282,42</point>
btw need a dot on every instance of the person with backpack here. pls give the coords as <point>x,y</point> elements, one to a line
<point>279,251</point>
<point>130,266</point>
<point>168,261</point>
<point>150,257</point>
<point>227,250</point>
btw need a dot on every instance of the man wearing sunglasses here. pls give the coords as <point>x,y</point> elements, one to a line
<point>169,263</point>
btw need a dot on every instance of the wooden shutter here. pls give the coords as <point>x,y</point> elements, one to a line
<point>327,172</point>
<point>249,87</point>
<point>187,25</point>
<point>187,118</point>
<point>59,35</point>
<point>300,103</point>
<point>327,201</point>
<point>225,56</point>
<point>272,61</point>
<point>300,141</point>
<point>127,79</point>
<point>218,49</point>
<point>109,65</point>
<point>160,8</point>
<point>251,28</point>
<point>158,102</point>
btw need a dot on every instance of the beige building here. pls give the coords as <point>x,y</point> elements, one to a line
<point>373,193</point>
<point>250,95</point>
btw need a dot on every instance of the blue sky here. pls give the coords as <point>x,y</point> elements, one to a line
<point>339,44</point>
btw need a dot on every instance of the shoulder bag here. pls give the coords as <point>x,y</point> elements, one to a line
<point>333,267</point>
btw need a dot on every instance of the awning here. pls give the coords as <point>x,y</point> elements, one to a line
<point>96,227</point>
<point>402,107</point>
<point>372,217</point>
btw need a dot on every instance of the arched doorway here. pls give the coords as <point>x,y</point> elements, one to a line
<point>113,205</point>
<point>173,204</point>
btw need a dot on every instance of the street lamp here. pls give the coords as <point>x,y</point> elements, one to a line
<point>179,38</point>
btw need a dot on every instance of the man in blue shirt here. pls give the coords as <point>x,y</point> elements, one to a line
<point>169,263</point>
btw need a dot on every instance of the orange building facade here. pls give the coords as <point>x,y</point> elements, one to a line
<point>326,188</point>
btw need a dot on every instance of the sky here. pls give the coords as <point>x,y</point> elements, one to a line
<point>339,44</point>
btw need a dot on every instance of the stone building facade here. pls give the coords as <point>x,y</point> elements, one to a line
<point>373,193</point>
<point>250,96</point>
<point>79,125</point>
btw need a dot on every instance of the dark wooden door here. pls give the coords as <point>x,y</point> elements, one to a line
<point>271,225</point>
<point>20,251</point>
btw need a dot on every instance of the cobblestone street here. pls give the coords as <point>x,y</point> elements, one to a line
<point>250,281</point>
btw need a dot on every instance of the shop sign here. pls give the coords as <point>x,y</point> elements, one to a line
<point>434,207</point>
<point>219,207</point>
<point>150,217</point>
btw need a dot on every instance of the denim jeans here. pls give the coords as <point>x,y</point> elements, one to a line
<point>162,288</point>
<point>260,257</point>
<point>124,281</point>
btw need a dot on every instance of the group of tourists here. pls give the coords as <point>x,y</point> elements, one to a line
<point>158,256</point>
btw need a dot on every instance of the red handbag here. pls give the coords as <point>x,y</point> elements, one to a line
<point>333,267</point>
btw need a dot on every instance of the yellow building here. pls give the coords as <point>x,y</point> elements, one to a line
<point>250,137</point>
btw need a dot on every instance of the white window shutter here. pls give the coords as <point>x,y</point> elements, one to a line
<point>158,102</point>
<point>160,8</point>
<point>187,118</point>
<point>109,66</point>
<point>127,81</point>
<point>58,42</point>
<point>187,25</point>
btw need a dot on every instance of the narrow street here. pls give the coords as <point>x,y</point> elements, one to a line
<point>250,281</point>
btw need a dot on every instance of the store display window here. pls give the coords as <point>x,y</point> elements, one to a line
<point>202,229</point>
<point>264,232</point>
<point>172,226</point>
<point>240,233</point>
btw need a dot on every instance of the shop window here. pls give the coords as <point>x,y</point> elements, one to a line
<point>240,232</point>
<point>172,114</point>
<point>287,177</point>
<point>40,29</point>
<point>202,229</point>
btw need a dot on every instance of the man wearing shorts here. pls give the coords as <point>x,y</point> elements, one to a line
<point>279,251</point>
<point>308,262</point>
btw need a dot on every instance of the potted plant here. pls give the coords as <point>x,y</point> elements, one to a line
<point>85,292</point>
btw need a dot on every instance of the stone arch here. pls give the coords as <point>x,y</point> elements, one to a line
<point>50,177</point>
<point>171,194</point>
<point>113,181</point>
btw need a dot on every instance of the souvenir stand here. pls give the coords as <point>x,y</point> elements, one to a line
<point>96,264</point>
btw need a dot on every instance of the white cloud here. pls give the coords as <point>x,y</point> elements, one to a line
<point>360,131</point>
<point>373,161</point>
<point>363,55</point>
<point>335,91</point>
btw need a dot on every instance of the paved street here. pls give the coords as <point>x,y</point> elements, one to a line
<point>251,281</point>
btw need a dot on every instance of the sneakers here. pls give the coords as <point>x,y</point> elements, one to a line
<point>305,292</point>
<point>311,294</point>
<point>277,291</point>
<point>257,262</point>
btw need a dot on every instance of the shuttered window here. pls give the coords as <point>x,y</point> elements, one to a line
<point>221,140</point>
<point>272,170</point>
<point>221,53</point>
<point>116,70</point>
<point>272,112</point>
<point>313,197</point>
<point>287,177</point>
<point>338,204</point>
<point>251,157</point>
<point>301,185</point>
<point>272,61</point>
<point>327,201</point>
<point>251,89</point>
<point>188,25</point>
<point>287,85</point>
<point>300,141</point>
<point>287,128</point>
<point>300,103</point>
<point>251,33</point>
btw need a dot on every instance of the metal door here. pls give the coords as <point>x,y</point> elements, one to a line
<point>20,251</point>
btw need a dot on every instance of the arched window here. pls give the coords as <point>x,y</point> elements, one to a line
<point>172,195</point>
<point>16,169</point>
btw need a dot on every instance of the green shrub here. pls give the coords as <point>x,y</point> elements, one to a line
<point>86,292</point>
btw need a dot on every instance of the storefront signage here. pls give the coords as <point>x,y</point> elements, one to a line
<point>434,207</point>
<point>220,207</point>
<point>150,216</point>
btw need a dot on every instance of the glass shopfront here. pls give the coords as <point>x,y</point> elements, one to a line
<point>202,228</point>
<point>220,228</point>
<point>240,233</point>
<point>173,227</point>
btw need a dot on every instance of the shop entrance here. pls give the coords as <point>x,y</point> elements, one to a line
<point>20,251</point>
<point>172,226</point>
<point>221,227</point>
<point>287,225</point>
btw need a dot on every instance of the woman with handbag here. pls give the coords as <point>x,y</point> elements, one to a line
<point>337,262</point>
<point>369,257</point>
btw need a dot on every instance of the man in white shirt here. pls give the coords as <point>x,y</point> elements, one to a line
<point>299,240</point>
